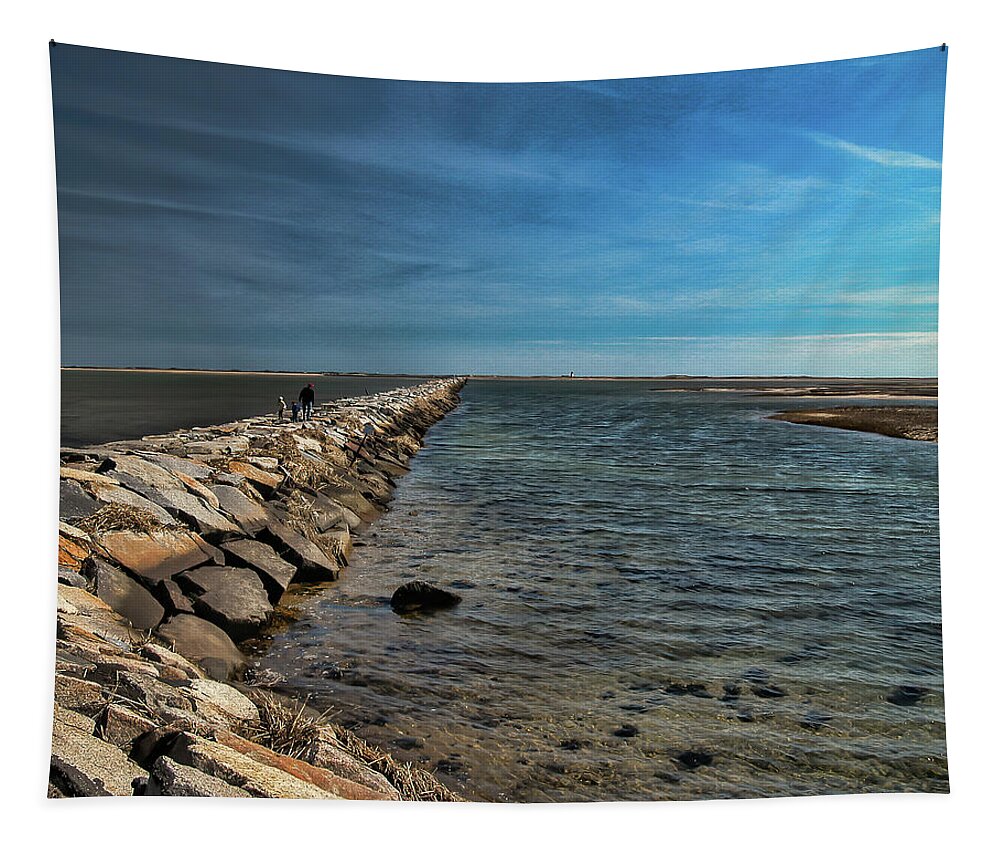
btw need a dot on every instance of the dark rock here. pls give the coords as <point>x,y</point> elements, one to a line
<point>419,596</point>
<point>815,720</point>
<point>571,745</point>
<point>732,689</point>
<point>907,695</point>
<point>205,644</point>
<point>126,596</point>
<point>769,690</point>
<point>311,563</point>
<point>74,501</point>
<point>231,597</point>
<point>694,759</point>
<point>756,675</point>
<point>408,743</point>
<point>626,731</point>
<point>167,777</point>
<point>72,578</point>
<point>275,572</point>
<point>173,598</point>
<point>745,716</point>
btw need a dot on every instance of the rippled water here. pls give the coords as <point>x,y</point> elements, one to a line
<point>647,559</point>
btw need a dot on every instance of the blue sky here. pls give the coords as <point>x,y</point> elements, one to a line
<point>775,221</point>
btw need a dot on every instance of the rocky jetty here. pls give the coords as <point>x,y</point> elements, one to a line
<point>174,548</point>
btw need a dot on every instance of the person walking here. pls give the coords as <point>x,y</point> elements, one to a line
<point>307,396</point>
<point>281,408</point>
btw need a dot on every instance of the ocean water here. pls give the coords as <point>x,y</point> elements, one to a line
<point>100,405</point>
<point>665,596</point>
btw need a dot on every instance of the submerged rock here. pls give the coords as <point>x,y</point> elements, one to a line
<point>907,695</point>
<point>694,759</point>
<point>419,596</point>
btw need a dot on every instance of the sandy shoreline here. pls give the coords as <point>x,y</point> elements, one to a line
<point>910,422</point>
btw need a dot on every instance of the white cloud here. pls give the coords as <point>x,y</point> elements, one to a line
<point>882,156</point>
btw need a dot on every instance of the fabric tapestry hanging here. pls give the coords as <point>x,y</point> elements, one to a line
<point>556,441</point>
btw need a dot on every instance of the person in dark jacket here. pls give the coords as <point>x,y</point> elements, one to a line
<point>307,396</point>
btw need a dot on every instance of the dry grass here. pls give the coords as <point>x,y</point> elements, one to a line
<point>282,728</point>
<point>300,468</point>
<point>115,518</point>
<point>414,784</point>
<point>294,730</point>
<point>302,519</point>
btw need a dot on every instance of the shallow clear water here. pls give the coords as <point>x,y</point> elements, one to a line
<point>624,558</point>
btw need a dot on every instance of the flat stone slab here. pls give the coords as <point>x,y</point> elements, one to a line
<point>139,468</point>
<point>223,698</point>
<point>189,508</point>
<point>205,644</point>
<point>275,572</point>
<point>249,515</point>
<point>83,765</point>
<point>237,769</point>
<point>231,597</point>
<point>84,476</point>
<point>168,777</point>
<point>117,495</point>
<point>126,596</point>
<point>159,554</point>
<point>311,562</point>
<point>322,778</point>
<point>194,469</point>
<point>262,478</point>
<point>74,501</point>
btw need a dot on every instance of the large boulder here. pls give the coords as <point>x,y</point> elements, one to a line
<point>261,479</point>
<point>167,777</point>
<point>328,781</point>
<point>231,597</point>
<point>421,596</point>
<point>205,644</point>
<point>311,562</point>
<point>159,554</point>
<point>189,508</point>
<point>74,501</point>
<point>237,769</point>
<point>275,572</point>
<point>82,765</point>
<point>139,469</point>
<point>249,515</point>
<point>194,469</point>
<point>117,495</point>
<point>126,596</point>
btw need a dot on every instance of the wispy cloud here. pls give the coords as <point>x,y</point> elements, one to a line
<point>882,156</point>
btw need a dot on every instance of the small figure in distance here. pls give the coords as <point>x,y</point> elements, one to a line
<point>295,411</point>
<point>307,396</point>
<point>281,408</point>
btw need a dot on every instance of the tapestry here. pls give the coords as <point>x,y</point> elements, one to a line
<point>528,442</point>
